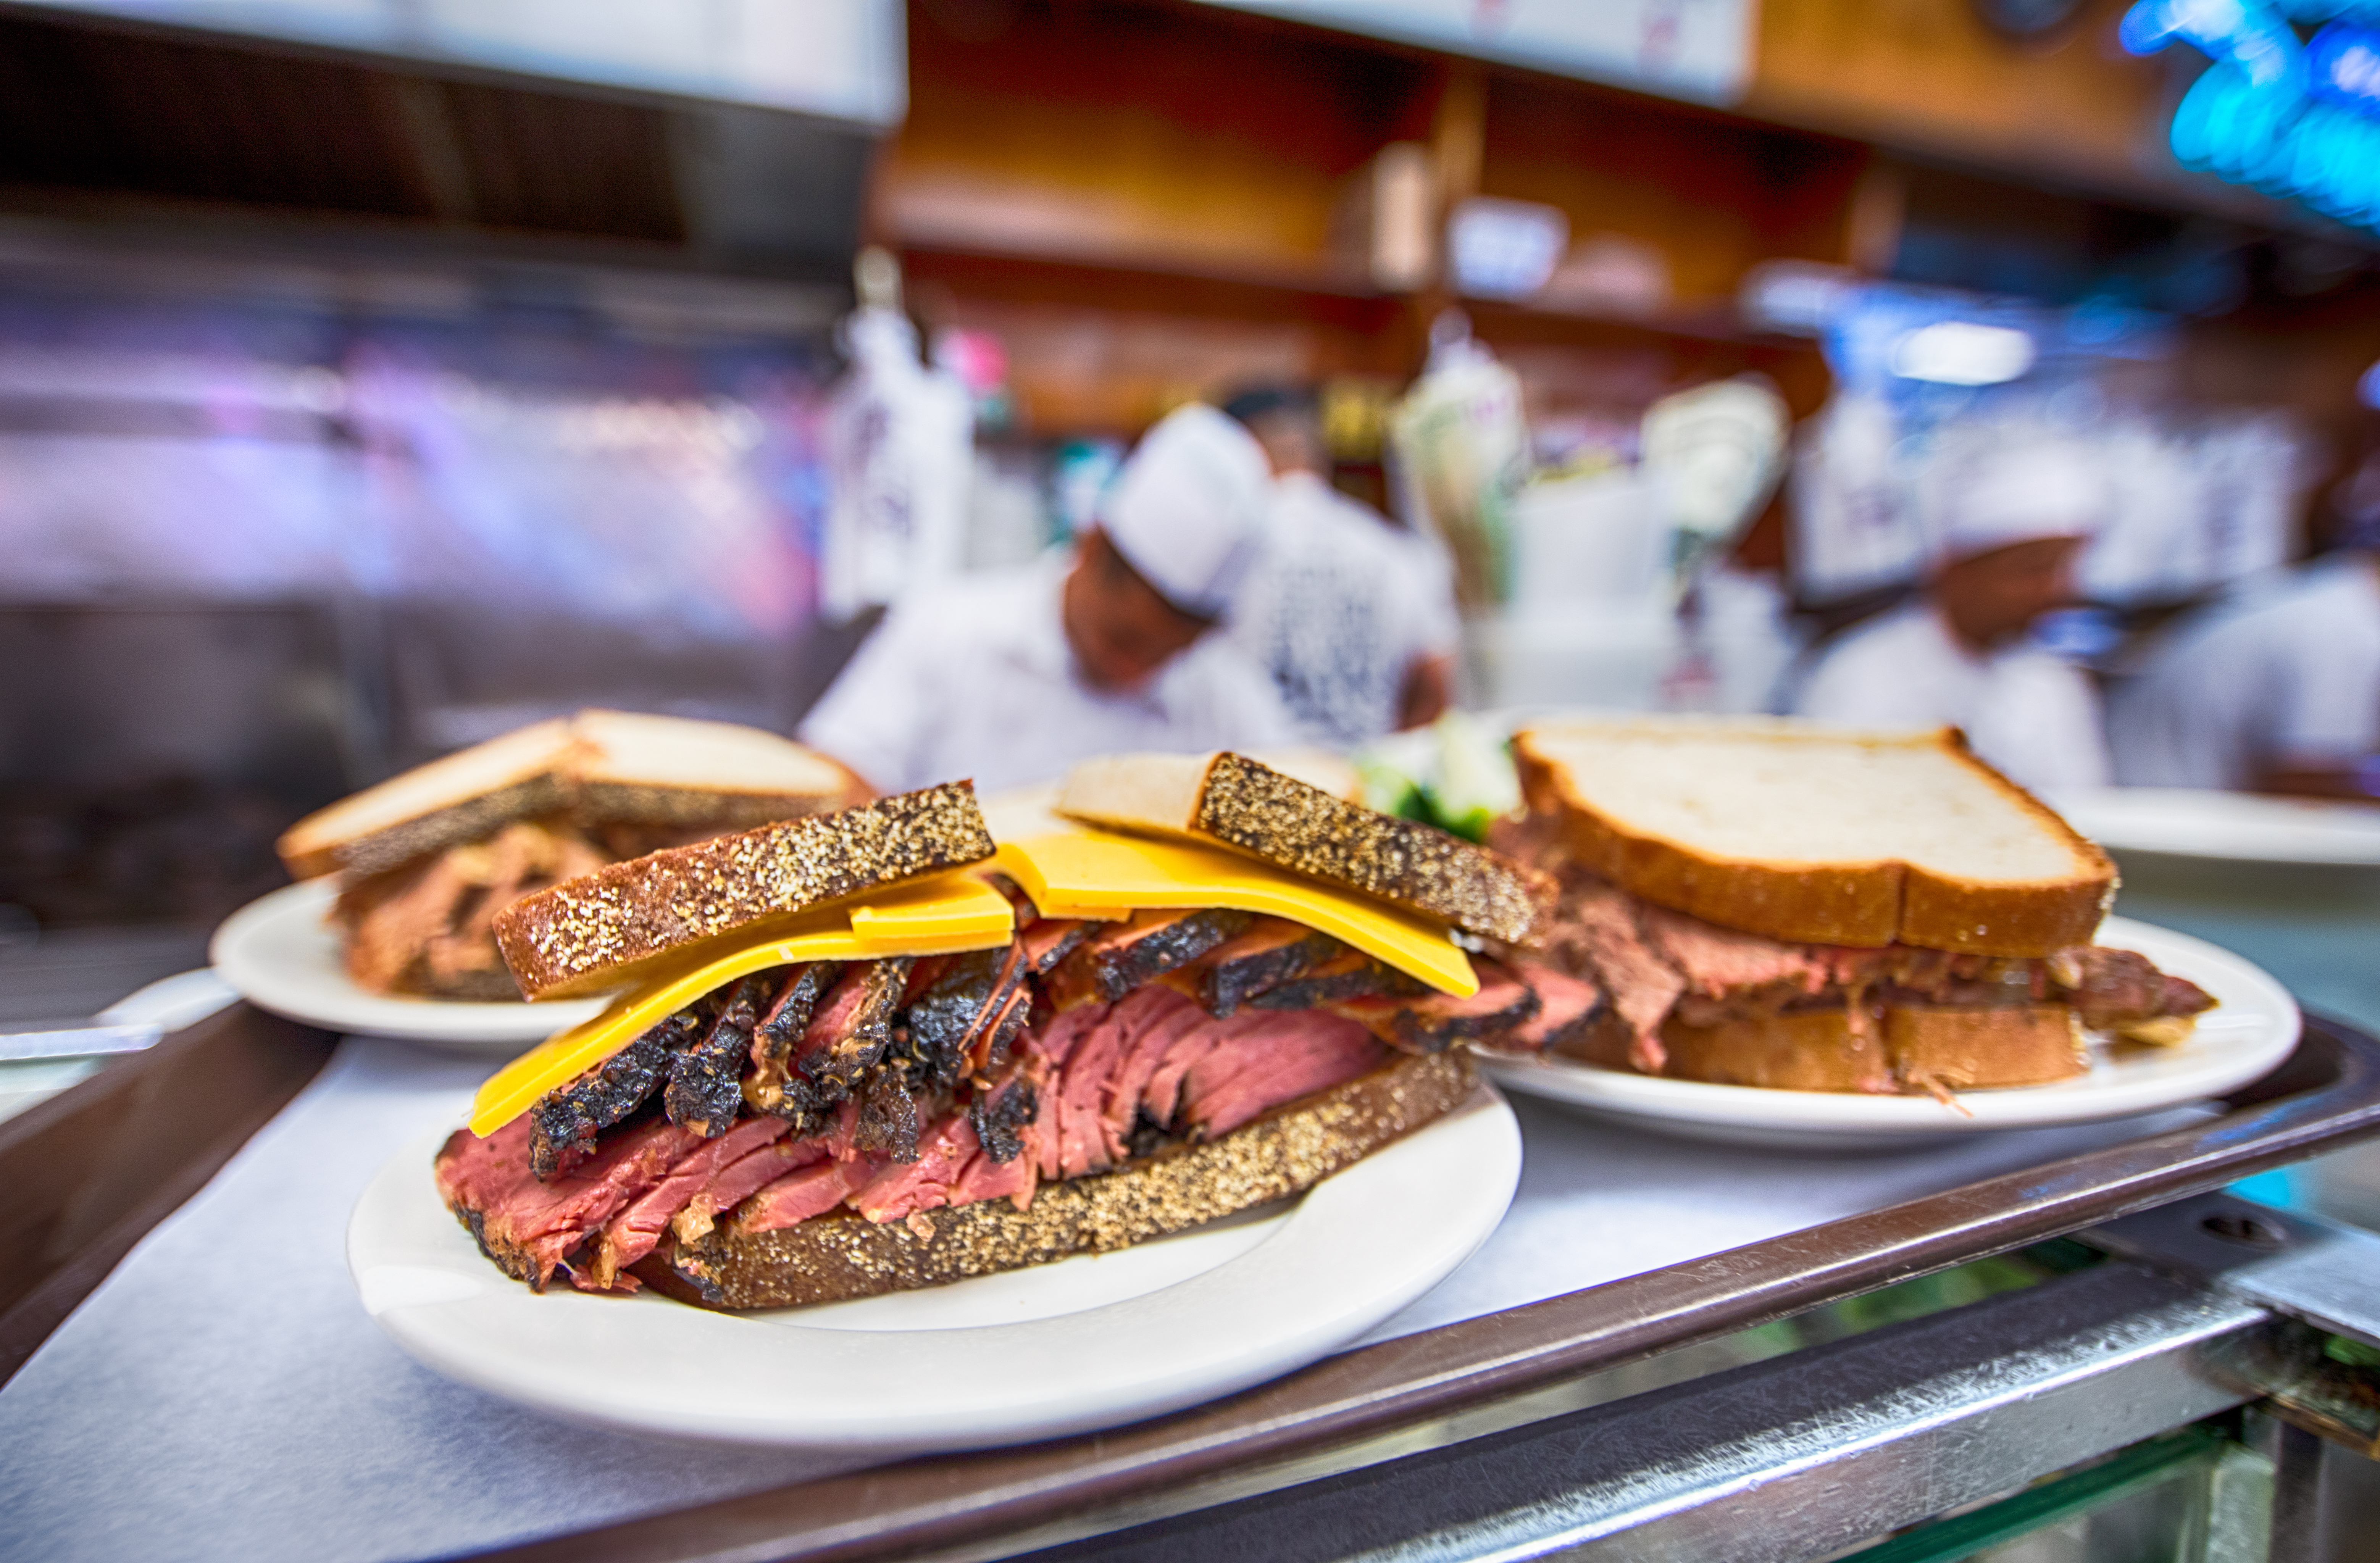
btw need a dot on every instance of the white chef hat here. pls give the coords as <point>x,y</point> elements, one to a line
<point>2021,493</point>
<point>1187,508</point>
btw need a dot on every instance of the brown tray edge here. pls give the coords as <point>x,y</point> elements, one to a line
<point>97,1167</point>
<point>2327,1093</point>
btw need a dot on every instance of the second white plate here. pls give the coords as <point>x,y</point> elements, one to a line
<point>282,954</point>
<point>2252,1027</point>
<point>2234,826</point>
<point>1088,1342</point>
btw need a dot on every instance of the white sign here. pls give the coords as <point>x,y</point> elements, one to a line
<point>1699,49</point>
<point>841,59</point>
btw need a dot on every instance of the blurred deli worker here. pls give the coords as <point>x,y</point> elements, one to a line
<point>1012,677</point>
<point>1352,615</point>
<point>2277,689</point>
<point>2007,532</point>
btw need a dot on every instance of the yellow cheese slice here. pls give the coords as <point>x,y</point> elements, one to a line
<point>942,916</point>
<point>1099,874</point>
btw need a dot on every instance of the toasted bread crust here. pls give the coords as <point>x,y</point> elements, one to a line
<point>1863,905</point>
<point>829,1258</point>
<point>457,824</point>
<point>597,930</point>
<point>1919,1047</point>
<point>1256,808</point>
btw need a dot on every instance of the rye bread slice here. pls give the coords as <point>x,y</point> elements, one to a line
<point>1243,803</point>
<point>608,928</point>
<point>829,1258</point>
<point>594,767</point>
<point>1816,836</point>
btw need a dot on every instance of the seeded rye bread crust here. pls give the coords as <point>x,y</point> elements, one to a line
<point>1863,905</point>
<point>606,928</point>
<point>1244,804</point>
<point>831,1258</point>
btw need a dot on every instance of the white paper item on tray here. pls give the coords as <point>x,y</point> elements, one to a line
<point>272,1420</point>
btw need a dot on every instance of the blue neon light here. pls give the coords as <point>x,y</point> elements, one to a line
<point>2295,120</point>
<point>2343,63</point>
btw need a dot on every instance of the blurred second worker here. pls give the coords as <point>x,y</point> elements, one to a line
<point>1962,655</point>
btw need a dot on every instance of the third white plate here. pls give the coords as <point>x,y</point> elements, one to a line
<point>282,954</point>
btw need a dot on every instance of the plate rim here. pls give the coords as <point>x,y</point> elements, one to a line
<point>1815,1113</point>
<point>2356,848</point>
<point>420,1331</point>
<point>460,1024</point>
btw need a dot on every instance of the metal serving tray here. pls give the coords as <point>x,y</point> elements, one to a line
<point>1416,1392</point>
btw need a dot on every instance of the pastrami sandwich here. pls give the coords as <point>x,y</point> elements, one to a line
<point>863,1054</point>
<point>427,858</point>
<point>1763,903</point>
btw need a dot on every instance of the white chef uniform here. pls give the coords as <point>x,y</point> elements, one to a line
<point>2032,714</point>
<point>1337,608</point>
<point>976,678</point>
<point>2288,674</point>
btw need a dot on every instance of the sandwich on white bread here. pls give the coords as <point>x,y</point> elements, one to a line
<point>864,1054</point>
<point>1769,904</point>
<point>427,858</point>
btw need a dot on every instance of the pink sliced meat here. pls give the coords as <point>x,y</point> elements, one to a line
<point>1056,1040</point>
<point>1082,1141</point>
<point>905,1188</point>
<point>1299,1054</point>
<point>842,1137</point>
<point>1565,1004</point>
<point>637,1230</point>
<point>1643,988</point>
<point>1161,1097</point>
<point>736,1183</point>
<point>530,1228</point>
<point>983,1178</point>
<point>797,1196</point>
<point>1154,1018</point>
<point>1716,960</point>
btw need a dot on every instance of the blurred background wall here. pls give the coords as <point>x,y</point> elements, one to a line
<point>375,377</point>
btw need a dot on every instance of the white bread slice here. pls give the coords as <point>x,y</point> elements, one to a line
<point>593,767</point>
<point>1817,835</point>
<point>1230,800</point>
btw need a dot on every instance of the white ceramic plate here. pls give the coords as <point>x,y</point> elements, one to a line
<point>2232,825</point>
<point>282,955</point>
<point>2252,1027</point>
<point>1091,1341</point>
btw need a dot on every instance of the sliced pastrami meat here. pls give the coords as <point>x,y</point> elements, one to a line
<point>1292,1057</point>
<point>1121,958</point>
<point>563,1124</point>
<point>1435,1021</point>
<point>888,1117</point>
<point>1642,987</point>
<point>1153,1019</point>
<point>797,1196</point>
<point>1352,974</point>
<point>1002,1112</point>
<point>778,1036</point>
<point>848,1034</point>
<point>1051,939</point>
<point>923,1184</point>
<point>1160,1099</point>
<point>739,1181</point>
<point>530,1228</point>
<point>1081,1144</point>
<point>706,1082</point>
<point>954,1024</point>
<point>1567,1006</point>
<point>987,1178</point>
<point>1717,961</point>
<point>637,1230</point>
<point>1271,951</point>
